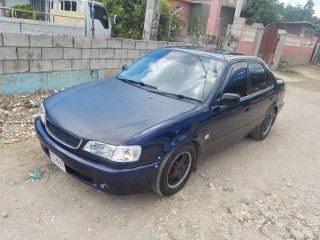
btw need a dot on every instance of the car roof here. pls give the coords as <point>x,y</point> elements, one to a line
<point>216,53</point>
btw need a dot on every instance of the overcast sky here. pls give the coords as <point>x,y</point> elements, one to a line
<point>316,7</point>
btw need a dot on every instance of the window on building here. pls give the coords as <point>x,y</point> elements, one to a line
<point>69,5</point>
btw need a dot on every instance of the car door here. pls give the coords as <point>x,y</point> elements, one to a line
<point>260,91</point>
<point>229,123</point>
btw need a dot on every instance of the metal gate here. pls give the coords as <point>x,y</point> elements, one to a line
<point>268,45</point>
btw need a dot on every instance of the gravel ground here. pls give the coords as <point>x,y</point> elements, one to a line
<point>249,190</point>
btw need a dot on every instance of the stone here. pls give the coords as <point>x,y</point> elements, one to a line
<point>82,42</point>
<point>296,234</point>
<point>61,65</point>
<point>15,66</point>
<point>97,64</point>
<point>29,53</point>
<point>99,43</point>
<point>90,53</point>
<point>72,53</point>
<point>114,43</point>
<point>106,53</point>
<point>40,41</point>
<point>62,41</point>
<point>113,63</point>
<point>15,40</point>
<point>40,65</point>
<point>128,44</point>
<point>308,232</point>
<point>80,64</point>
<point>134,54</point>
<point>52,53</point>
<point>120,53</point>
<point>141,45</point>
<point>8,53</point>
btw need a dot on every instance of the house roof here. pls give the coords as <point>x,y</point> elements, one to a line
<point>300,22</point>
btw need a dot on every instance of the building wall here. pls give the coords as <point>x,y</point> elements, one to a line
<point>246,41</point>
<point>43,62</point>
<point>226,15</point>
<point>201,10</point>
<point>297,50</point>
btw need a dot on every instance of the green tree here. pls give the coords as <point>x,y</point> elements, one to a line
<point>130,16</point>
<point>25,15</point>
<point>262,11</point>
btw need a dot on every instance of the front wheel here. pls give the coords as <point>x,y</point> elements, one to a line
<point>175,170</point>
<point>265,127</point>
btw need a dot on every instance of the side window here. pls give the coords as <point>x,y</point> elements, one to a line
<point>69,6</point>
<point>101,15</point>
<point>237,79</point>
<point>258,78</point>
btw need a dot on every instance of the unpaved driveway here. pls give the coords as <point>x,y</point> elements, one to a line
<point>250,190</point>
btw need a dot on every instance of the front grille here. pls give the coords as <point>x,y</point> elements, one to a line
<point>62,136</point>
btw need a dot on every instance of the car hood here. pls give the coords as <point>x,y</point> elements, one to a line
<point>110,111</point>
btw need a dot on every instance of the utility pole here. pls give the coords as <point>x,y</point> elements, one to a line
<point>151,20</point>
<point>92,17</point>
<point>238,8</point>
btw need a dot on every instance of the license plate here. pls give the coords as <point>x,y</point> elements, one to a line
<point>57,161</point>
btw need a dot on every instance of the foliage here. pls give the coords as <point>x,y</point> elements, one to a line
<point>266,11</point>
<point>25,15</point>
<point>262,11</point>
<point>130,18</point>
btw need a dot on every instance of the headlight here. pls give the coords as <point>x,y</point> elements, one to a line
<point>114,153</point>
<point>42,112</point>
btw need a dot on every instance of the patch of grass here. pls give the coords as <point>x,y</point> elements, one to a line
<point>288,70</point>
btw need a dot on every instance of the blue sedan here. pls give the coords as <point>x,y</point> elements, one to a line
<point>147,127</point>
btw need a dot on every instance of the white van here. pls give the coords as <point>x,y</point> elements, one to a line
<point>79,13</point>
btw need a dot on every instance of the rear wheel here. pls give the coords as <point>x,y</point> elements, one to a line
<point>265,127</point>
<point>175,170</point>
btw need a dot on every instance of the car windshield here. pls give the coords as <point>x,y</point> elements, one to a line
<point>176,72</point>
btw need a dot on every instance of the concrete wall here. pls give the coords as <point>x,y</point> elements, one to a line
<point>297,50</point>
<point>25,26</point>
<point>247,39</point>
<point>43,62</point>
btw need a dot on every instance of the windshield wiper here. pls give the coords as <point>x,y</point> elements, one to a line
<point>180,96</point>
<point>135,82</point>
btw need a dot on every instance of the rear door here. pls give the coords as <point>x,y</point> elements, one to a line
<point>261,92</point>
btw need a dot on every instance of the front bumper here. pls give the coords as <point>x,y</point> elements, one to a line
<point>104,178</point>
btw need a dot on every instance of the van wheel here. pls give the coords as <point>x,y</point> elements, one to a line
<point>262,132</point>
<point>175,170</point>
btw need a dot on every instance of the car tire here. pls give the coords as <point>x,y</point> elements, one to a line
<point>262,132</point>
<point>175,170</point>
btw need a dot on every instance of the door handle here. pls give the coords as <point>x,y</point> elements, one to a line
<point>247,109</point>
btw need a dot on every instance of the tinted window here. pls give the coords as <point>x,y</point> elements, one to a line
<point>69,6</point>
<point>101,15</point>
<point>237,79</point>
<point>258,78</point>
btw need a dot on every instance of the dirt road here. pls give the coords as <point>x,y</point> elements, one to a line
<point>250,190</point>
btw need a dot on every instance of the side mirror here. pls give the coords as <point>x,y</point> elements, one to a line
<point>125,67</point>
<point>229,99</point>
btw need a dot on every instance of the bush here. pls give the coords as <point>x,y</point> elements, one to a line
<point>25,15</point>
<point>131,14</point>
